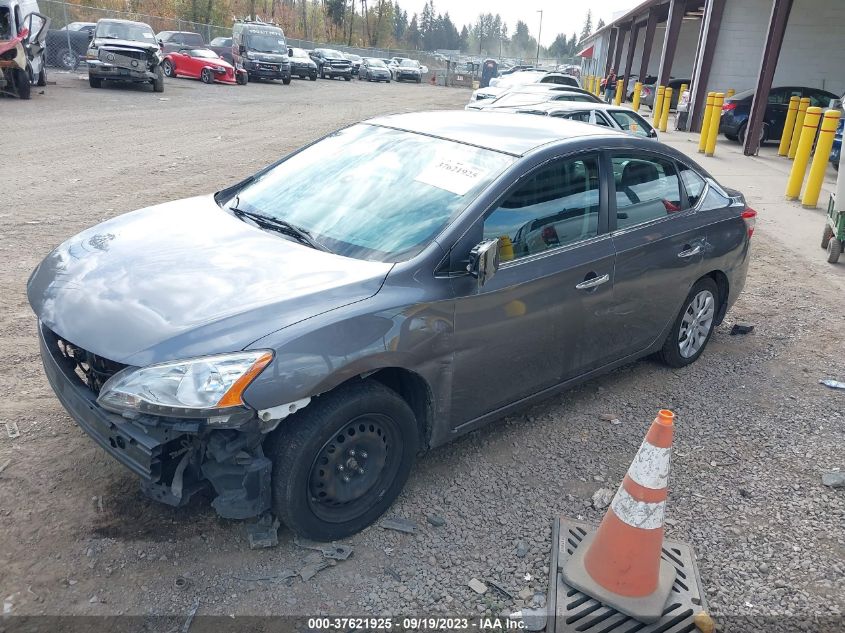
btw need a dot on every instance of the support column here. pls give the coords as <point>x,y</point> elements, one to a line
<point>771,52</point>
<point>620,43</point>
<point>710,36</point>
<point>670,42</point>
<point>651,25</point>
<point>611,50</point>
<point>629,61</point>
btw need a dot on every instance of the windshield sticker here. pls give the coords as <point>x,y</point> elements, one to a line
<point>149,36</point>
<point>451,175</point>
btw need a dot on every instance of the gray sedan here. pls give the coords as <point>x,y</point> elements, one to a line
<point>292,342</point>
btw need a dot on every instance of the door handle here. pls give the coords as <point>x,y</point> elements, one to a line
<point>593,282</point>
<point>690,252</point>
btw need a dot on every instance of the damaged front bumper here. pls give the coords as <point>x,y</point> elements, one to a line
<point>174,458</point>
<point>105,70</point>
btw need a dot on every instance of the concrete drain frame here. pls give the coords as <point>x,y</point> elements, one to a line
<point>572,611</point>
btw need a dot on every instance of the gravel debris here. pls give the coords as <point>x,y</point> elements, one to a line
<point>601,498</point>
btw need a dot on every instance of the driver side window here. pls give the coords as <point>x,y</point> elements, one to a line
<point>555,206</point>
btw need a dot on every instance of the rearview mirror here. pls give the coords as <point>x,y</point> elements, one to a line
<point>484,261</point>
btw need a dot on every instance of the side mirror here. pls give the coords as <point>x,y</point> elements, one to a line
<point>290,52</point>
<point>242,49</point>
<point>484,261</point>
<point>653,133</point>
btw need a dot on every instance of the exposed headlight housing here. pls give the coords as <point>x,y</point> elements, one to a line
<point>197,387</point>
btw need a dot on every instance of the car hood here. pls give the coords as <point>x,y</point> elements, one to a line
<point>186,279</point>
<point>117,44</point>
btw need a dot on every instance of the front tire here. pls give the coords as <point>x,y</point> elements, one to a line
<point>158,82</point>
<point>693,326</point>
<point>168,68</point>
<point>42,77</point>
<point>67,59</point>
<point>286,81</point>
<point>206,76</point>
<point>339,464</point>
<point>95,82</point>
<point>23,84</point>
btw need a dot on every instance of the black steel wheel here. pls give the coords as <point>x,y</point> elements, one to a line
<point>340,462</point>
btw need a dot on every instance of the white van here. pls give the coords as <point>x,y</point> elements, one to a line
<point>23,30</point>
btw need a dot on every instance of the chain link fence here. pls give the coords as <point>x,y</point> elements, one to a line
<point>70,25</point>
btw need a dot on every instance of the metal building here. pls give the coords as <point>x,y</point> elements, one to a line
<point>726,44</point>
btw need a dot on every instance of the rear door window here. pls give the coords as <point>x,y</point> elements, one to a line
<point>694,184</point>
<point>631,122</point>
<point>647,188</point>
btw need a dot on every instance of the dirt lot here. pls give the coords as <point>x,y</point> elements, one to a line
<point>755,429</point>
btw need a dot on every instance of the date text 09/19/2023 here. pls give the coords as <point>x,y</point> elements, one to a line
<point>415,623</point>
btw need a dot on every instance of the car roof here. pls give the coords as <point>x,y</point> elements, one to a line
<point>124,22</point>
<point>514,134</point>
<point>581,105</point>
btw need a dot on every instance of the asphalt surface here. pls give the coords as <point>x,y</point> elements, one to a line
<point>755,430</point>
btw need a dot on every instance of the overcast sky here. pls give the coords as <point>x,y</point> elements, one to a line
<point>559,16</point>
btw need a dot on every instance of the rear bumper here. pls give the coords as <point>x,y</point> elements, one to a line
<point>729,124</point>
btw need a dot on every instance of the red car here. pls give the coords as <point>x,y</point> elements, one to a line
<point>203,64</point>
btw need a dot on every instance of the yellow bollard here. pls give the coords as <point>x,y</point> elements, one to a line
<point>820,159</point>
<point>664,111</point>
<point>730,93</point>
<point>713,130</point>
<point>658,103</point>
<point>588,83</point>
<point>799,124</point>
<point>681,91</point>
<point>597,87</point>
<point>802,154</point>
<point>617,100</point>
<point>505,248</point>
<point>705,122</point>
<point>638,88</point>
<point>788,126</point>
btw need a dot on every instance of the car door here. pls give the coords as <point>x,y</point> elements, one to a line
<point>541,315</point>
<point>776,110</point>
<point>660,246</point>
<point>188,64</point>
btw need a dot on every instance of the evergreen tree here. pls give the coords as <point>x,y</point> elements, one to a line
<point>588,25</point>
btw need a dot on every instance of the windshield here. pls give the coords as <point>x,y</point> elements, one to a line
<point>328,52</point>
<point>125,31</point>
<point>375,62</point>
<point>374,193</point>
<point>298,53</point>
<point>221,41</point>
<point>267,43</point>
<point>204,53</point>
<point>412,63</point>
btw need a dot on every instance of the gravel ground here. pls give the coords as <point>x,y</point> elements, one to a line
<point>755,430</point>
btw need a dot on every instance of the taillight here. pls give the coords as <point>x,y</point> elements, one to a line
<point>730,106</point>
<point>750,217</point>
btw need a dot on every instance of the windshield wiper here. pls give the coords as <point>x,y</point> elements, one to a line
<point>280,226</point>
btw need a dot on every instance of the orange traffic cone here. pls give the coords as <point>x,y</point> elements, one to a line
<point>620,564</point>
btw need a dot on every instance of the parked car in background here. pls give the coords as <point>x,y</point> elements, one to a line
<point>319,340</point>
<point>261,49</point>
<point>126,51</point>
<point>203,64</point>
<point>373,69</point>
<point>530,95</point>
<point>87,27</point>
<point>23,33</point>
<point>171,41</point>
<point>601,114</point>
<point>737,109</point>
<point>356,62</point>
<point>331,64</point>
<point>650,89</point>
<point>301,65</point>
<point>223,47</point>
<point>499,85</point>
<point>408,69</point>
<point>836,150</point>
<point>66,47</point>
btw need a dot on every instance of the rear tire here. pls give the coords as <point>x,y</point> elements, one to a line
<point>66,59</point>
<point>693,326</point>
<point>286,81</point>
<point>826,235</point>
<point>347,78</point>
<point>313,77</point>
<point>42,77</point>
<point>834,250</point>
<point>340,463</point>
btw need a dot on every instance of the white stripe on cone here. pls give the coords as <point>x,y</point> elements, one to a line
<point>638,514</point>
<point>651,466</point>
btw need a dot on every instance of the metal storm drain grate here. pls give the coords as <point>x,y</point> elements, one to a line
<point>576,611</point>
